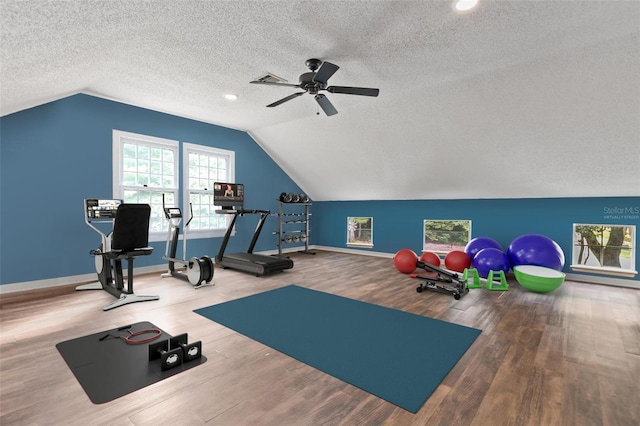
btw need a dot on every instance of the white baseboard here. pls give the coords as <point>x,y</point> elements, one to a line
<point>591,279</point>
<point>73,280</point>
<point>366,252</point>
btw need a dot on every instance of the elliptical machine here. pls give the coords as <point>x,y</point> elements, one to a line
<point>199,272</point>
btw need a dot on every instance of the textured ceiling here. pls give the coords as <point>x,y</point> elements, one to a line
<point>513,99</point>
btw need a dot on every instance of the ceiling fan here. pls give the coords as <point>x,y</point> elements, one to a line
<point>315,81</point>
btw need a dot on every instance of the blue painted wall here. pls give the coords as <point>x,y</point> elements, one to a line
<point>398,224</point>
<point>55,155</point>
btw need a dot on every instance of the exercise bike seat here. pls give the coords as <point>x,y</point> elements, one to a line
<point>125,254</point>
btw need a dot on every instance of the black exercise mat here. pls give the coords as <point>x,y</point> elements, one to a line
<point>110,368</point>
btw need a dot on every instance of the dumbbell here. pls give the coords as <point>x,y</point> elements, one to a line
<point>287,239</point>
<point>169,358</point>
<point>296,238</point>
<point>286,198</point>
<point>303,198</point>
<point>190,351</point>
<point>303,237</point>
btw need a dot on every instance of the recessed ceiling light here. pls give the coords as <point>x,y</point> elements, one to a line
<point>463,5</point>
<point>230,96</point>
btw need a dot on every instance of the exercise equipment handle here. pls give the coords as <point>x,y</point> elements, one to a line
<point>190,216</point>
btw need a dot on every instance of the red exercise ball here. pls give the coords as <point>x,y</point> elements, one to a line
<point>457,260</point>
<point>406,261</point>
<point>431,258</point>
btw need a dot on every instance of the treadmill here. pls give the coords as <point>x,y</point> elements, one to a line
<point>257,264</point>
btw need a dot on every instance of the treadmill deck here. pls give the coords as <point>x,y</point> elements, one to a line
<point>255,263</point>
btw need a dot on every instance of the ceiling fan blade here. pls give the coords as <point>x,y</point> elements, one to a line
<point>363,91</point>
<point>288,98</point>
<point>326,106</point>
<point>274,84</point>
<point>326,70</point>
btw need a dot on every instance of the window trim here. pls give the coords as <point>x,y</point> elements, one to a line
<point>188,148</point>
<point>354,244</point>
<point>605,270</point>
<point>444,252</point>
<point>118,139</point>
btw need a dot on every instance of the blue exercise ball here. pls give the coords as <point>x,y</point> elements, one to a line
<point>537,250</point>
<point>491,259</point>
<point>474,246</point>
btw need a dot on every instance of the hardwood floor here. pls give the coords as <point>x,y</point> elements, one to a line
<point>571,357</point>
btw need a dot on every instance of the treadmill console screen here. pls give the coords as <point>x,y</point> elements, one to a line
<point>101,209</point>
<point>228,195</point>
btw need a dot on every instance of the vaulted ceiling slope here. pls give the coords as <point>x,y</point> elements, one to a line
<point>513,99</point>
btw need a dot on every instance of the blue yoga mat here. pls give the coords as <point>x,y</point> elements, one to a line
<point>397,356</point>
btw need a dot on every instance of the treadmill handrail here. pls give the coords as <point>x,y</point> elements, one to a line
<point>225,240</point>
<point>264,214</point>
<point>242,211</point>
<point>263,217</point>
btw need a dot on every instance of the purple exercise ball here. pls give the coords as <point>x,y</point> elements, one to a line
<point>474,246</point>
<point>491,259</point>
<point>537,250</point>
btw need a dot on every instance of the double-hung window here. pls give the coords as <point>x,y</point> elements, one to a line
<point>145,168</point>
<point>202,166</point>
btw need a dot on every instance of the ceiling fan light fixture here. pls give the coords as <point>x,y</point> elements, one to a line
<point>463,5</point>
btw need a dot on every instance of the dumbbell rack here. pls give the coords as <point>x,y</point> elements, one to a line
<point>287,236</point>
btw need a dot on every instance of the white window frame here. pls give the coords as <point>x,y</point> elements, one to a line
<point>424,223</point>
<point>629,272</point>
<point>189,148</point>
<point>351,228</point>
<point>119,139</point>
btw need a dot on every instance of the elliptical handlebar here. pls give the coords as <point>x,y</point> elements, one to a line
<point>169,217</point>
<point>186,225</point>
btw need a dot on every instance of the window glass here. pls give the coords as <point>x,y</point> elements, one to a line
<point>603,246</point>
<point>203,166</point>
<point>360,231</point>
<point>144,168</point>
<point>446,235</point>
